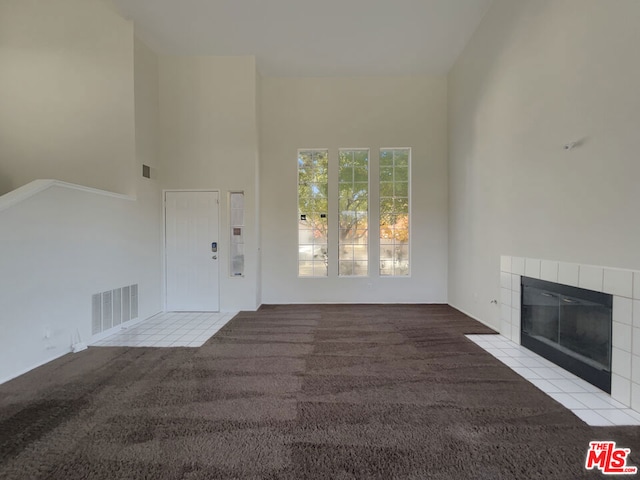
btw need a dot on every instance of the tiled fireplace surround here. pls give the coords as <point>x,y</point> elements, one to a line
<point>624,285</point>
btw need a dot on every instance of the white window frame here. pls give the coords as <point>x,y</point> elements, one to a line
<point>299,151</point>
<point>409,193</point>
<point>368,244</point>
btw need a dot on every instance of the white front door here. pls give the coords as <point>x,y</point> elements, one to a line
<point>191,227</point>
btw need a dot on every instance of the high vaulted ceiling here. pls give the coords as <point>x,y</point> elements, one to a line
<point>313,37</point>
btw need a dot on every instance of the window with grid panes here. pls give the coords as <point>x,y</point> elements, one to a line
<point>313,169</point>
<point>353,213</point>
<point>394,211</point>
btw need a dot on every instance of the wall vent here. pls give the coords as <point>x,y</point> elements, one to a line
<point>113,307</point>
<point>96,318</point>
<point>134,301</point>
<point>126,304</point>
<point>117,307</point>
<point>107,310</point>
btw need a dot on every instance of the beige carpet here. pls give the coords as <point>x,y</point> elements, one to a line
<point>294,392</point>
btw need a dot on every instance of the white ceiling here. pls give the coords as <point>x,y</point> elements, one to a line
<point>313,37</point>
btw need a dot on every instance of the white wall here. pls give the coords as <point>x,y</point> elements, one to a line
<point>59,247</point>
<point>66,94</point>
<point>209,140</point>
<point>149,238</point>
<point>536,75</point>
<point>81,117</point>
<point>258,210</point>
<point>354,112</point>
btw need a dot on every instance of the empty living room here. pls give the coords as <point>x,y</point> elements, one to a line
<point>285,239</point>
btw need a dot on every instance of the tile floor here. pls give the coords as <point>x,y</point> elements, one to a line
<point>589,403</point>
<point>171,329</point>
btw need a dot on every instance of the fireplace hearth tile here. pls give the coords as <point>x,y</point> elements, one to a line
<point>621,336</point>
<point>515,330</point>
<point>632,414</point>
<point>517,265</point>
<point>549,271</point>
<point>622,284</point>
<point>610,401</point>
<point>505,312</point>
<point>510,362</point>
<point>515,283</point>
<point>621,362</point>
<point>567,386</point>
<point>505,263</point>
<point>589,403</point>
<point>618,282</point>
<point>635,396</point>
<point>546,386</point>
<point>506,328</point>
<point>505,280</point>
<point>505,297</point>
<point>618,417</point>
<point>595,401</point>
<point>515,300</point>
<point>636,337</point>
<point>591,278</point>
<point>568,274</point>
<point>550,373</point>
<point>512,352</point>
<point>532,268</point>
<point>635,368</point>
<point>621,389</point>
<point>526,372</point>
<point>567,401</point>
<point>586,385</point>
<point>532,363</point>
<point>592,418</point>
<point>623,310</point>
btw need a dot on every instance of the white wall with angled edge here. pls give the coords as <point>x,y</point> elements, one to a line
<point>80,104</point>
<point>209,140</point>
<point>60,246</point>
<point>333,113</point>
<point>536,75</point>
<point>66,95</point>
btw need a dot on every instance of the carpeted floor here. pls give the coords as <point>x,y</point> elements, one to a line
<point>295,392</point>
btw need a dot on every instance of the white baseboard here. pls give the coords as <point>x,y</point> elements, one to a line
<point>474,317</point>
<point>26,370</point>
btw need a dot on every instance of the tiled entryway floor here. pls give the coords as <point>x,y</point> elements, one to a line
<point>589,403</point>
<point>171,329</point>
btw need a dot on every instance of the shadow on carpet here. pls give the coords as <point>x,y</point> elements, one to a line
<point>296,392</point>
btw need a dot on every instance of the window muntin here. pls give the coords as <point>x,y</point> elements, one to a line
<point>313,181</point>
<point>353,214</point>
<point>394,211</point>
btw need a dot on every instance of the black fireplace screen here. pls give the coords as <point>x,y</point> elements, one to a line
<point>569,326</point>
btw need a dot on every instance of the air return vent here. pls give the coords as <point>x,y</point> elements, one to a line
<point>117,307</point>
<point>96,322</point>
<point>113,308</point>
<point>107,310</point>
<point>126,304</point>
<point>134,301</point>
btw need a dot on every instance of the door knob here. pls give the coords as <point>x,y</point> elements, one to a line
<point>215,257</point>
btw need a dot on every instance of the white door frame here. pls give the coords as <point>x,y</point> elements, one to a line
<point>164,237</point>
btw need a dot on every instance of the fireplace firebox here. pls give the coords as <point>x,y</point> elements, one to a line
<point>570,327</point>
